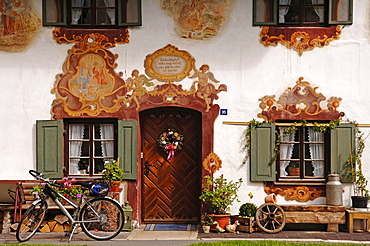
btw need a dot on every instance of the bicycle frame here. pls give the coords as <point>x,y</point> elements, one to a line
<point>53,194</point>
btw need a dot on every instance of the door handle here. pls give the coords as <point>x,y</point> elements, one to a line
<point>146,167</point>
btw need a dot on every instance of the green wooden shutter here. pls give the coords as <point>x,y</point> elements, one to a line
<point>265,13</point>
<point>129,13</point>
<point>342,141</point>
<point>262,152</point>
<point>127,148</point>
<point>49,148</point>
<point>54,13</point>
<point>343,13</point>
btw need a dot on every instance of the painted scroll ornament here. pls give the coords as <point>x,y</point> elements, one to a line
<point>171,142</point>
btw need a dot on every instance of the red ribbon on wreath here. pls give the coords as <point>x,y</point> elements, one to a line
<point>171,152</point>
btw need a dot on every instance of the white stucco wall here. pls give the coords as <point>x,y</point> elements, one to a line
<point>236,57</point>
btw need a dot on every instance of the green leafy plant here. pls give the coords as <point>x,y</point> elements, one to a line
<point>248,210</point>
<point>36,190</point>
<point>112,172</point>
<point>355,166</point>
<point>69,190</point>
<point>219,194</point>
<point>293,164</point>
<point>206,220</point>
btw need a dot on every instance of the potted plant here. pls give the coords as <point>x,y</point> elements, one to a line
<point>219,194</point>
<point>247,212</point>
<point>293,168</point>
<point>206,221</point>
<point>361,193</point>
<point>112,174</point>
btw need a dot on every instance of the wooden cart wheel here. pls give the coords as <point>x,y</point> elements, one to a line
<point>270,218</point>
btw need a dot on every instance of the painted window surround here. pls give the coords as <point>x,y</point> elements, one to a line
<point>300,102</point>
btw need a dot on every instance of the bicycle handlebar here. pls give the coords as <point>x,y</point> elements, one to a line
<point>40,176</point>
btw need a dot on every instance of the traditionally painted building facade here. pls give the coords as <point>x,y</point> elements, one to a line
<point>73,99</point>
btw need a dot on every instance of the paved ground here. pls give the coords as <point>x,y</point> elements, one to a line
<point>182,238</point>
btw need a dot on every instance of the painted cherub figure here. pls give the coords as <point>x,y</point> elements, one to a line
<point>136,84</point>
<point>205,88</point>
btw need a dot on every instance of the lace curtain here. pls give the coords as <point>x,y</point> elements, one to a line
<point>76,133</point>
<point>283,10</point>
<point>317,151</point>
<point>319,10</point>
<point>107,132</point>
<point>76,13</point>
<point>286,150</point>
<point>110,12</point>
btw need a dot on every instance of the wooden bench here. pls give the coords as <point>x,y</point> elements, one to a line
<point>316,214</point>
<point>16,197</point>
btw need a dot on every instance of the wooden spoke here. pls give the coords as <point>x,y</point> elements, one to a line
<point>270,218</point>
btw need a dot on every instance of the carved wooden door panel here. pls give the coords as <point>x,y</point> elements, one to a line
<point>171,187</point>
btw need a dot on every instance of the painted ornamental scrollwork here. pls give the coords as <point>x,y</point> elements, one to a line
<point>90,87</point>
<point>300,102</point>
<point>298,193</point>
<point>89,84</point>
<point>299,39</point>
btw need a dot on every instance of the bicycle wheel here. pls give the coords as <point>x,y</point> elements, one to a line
<point>31,221</point>
<point>104,218</point>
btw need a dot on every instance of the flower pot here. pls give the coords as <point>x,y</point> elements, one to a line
<point>114,186</point>
<point>222,219</point>
<point>359,201</point>
<point>271,198</point>
<point>293,171</point>
<point>206,229</point>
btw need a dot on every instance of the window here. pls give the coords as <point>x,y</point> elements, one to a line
<point>90,145</point>
<point>302,12</point>
<point>302,154</point>
<point>63,146</point>
<point>86,14</point>
<point>317,154</point>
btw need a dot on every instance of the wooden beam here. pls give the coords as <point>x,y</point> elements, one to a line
<point>245,123</point>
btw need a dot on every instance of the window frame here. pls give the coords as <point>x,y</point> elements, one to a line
<point>50,151</point>
<point>66,14</point>
<point>302,158</point>
<point>92,122</point>
<point>273,15</point>
<point>263,166</point>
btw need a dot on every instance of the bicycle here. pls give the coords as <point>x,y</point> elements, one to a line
<point>101,218</point>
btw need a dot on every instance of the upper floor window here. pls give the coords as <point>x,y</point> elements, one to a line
<point>103,14</point>
<point>302,12</point>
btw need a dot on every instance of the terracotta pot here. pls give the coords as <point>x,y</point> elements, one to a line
<point>222,219</point>
<point>271,198</point>
<point>293,171</point>
<point>114,186</point>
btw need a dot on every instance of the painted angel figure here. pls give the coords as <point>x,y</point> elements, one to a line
<point>136,84</point>
<point>205,88</point>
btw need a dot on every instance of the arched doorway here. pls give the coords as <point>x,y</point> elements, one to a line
<point>170,188</point>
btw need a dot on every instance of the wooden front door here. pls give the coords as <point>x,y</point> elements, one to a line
<point>171,187</point>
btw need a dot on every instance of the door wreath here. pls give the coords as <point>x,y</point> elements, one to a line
<point>171,142</point>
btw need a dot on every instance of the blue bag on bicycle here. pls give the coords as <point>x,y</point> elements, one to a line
<point>98,190</point>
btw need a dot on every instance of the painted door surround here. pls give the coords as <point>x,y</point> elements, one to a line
<point>91,88</point>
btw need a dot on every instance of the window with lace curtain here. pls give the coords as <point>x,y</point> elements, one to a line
<point>90,145</point>
<point>302,154</point>
<point>302,12</point>
<point>103,14</point>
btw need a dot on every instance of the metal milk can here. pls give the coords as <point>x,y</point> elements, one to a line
<point>334,191</point>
